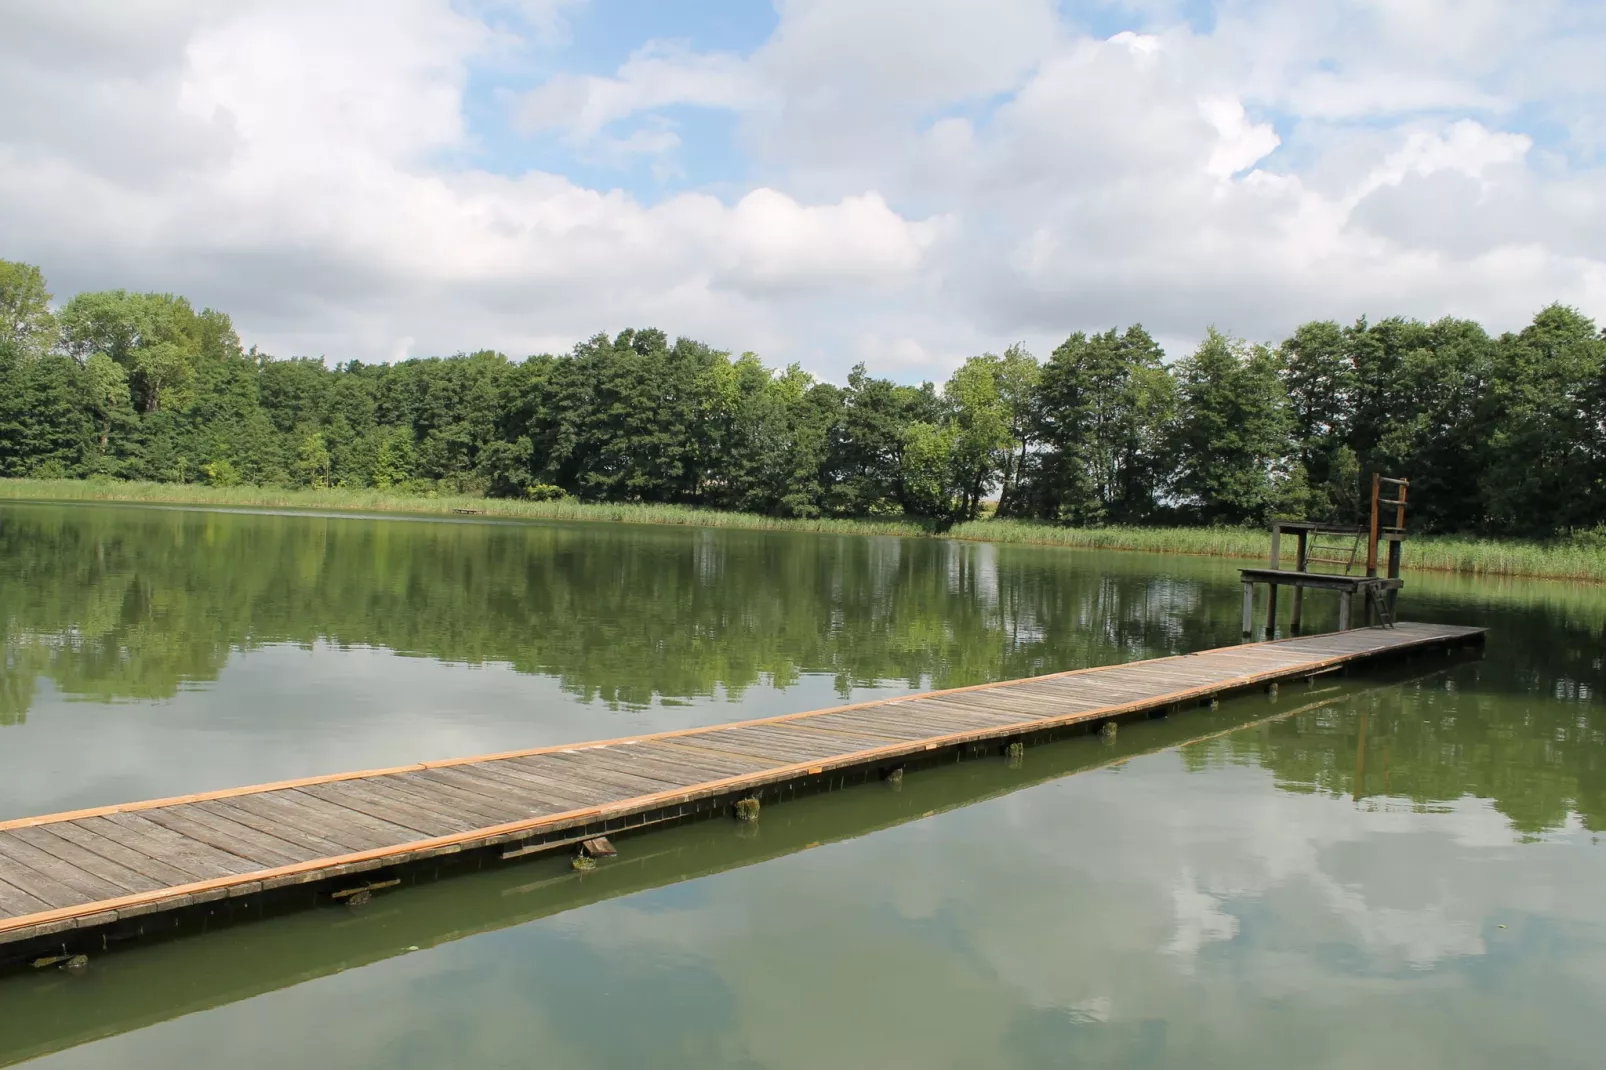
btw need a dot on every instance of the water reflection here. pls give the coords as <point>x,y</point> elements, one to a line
<point>1158,909</point>
<point>1404,874</point>
<point>132,603</point>
<point>261,646</point>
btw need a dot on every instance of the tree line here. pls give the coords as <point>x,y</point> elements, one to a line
<point>1499,434</point>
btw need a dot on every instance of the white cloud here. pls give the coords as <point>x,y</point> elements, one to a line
<point>657,75</point>
<point>911,181</point>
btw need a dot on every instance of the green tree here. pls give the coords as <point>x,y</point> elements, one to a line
<point>927,472</point>
<point>980,443</point>
<point>106,388</point>
<point>773,440</point>
<point>26,325</point>
<point>157,338</point>
<point>1548,440</point>
<point>1103,407</point>
<point>1317,369</point>
<point>1231,438</point>
<point>1019,380</point>
<point>313,462</point>
<point>393,465</point>
<point>865,462</point>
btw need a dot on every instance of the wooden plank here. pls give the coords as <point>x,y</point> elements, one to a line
<point>999,706</point>
<point>16,903</point>
<point>753,748</point>
<point>45,877</point>
<point>552,777</point>
<point>792,746</point>
<point>438,796</point>
<point>676,774</point>
<point>297,833</point>
<point>522,791</point>
<point>352,796</point>
<point>390,828</point>
<point>352,830</point>
<point>901,731</point>
<point>1014,709</point>
<point>45,839</point>
<point>538,792</point>
<point>962,715</point>
<point>266,851</point>
<point>558,794</point>
<point>364,797</point>
<point>843,737</point>
<point>136,830</point>
<point>448,790</point>
<point>627,760</point>
<point>685,749</point>
<point>601,765</point>
<point>814,744</point>
<point>157,869</point>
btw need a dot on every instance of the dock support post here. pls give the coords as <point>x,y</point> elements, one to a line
<point>1301,563</point>
<point>1346,605</point>
<point>1371,542</point>
<point>1249,609</point>
<point>1271,612</point>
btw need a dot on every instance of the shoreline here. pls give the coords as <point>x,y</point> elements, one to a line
<point>1444,554</point>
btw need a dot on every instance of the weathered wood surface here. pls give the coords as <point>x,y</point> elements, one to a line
<point>90,867</point>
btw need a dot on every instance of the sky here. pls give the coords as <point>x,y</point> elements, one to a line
<point>899,182</point>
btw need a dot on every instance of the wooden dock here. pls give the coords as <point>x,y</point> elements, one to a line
<point>74,880</point>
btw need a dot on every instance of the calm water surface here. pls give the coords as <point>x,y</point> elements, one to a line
<point>1396,870</point>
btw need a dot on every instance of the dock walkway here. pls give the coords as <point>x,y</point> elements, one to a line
<point>81,872</point>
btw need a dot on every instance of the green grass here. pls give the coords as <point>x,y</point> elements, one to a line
<point>1583,559</point>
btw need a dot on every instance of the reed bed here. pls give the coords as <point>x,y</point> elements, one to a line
<point>1579,559</point>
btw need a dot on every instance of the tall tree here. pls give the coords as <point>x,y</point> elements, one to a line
<point>1548,441</point>
<point>26,325</point>
<point>982,441</point>
<point>1019,379</point>
<point>1317,368</point>
<point>866,461</point>
<point>1231,437</point>
<point>1103,405</point>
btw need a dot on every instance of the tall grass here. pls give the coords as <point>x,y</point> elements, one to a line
<point>1583,559</point>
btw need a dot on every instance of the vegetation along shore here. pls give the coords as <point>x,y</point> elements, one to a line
<point>1582,557</point>
<point>1107,442</point>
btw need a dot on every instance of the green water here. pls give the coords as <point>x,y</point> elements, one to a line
<point>1395,870</point>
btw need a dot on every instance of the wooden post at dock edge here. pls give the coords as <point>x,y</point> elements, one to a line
<point>1276,562</point>
<point>1301,563</point>
<point>1249,608</point>
<point>1371,544</point>
<point>1346,606</point>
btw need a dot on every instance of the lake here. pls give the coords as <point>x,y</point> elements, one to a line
<point>1389,869</point>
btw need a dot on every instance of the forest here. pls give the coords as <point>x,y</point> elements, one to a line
<point>1500,435</point>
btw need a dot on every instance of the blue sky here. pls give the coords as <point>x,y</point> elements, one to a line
<point>899,182</point>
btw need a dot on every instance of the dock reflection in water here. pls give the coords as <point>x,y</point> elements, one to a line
<point>56,1010</point>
